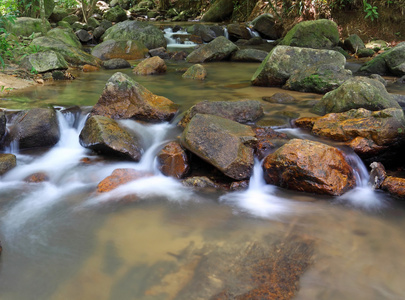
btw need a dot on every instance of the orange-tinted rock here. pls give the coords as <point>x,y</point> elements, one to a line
<point>365,147</point>
<point>125,49</point>
<point>269,133</point>
<point>263,148</point>
<point>37,177</point>
<point>117,178</point>
<point>151,66</point>
<point>305,122</point>
<point>309,166</point>
<point>268,140</point>
<point>124,98</point>
<point>173,161</point>
<point>90,68</point>
<point>395,186</point>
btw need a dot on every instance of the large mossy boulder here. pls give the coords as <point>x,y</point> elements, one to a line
<point>128,50</point>
<point>7,162</point>
<point>265,25</point>
<point>318,34</point>
<point>222,143</point>
<point>144,32</point>
<point>391,62</point>
<point>104,135</point>
<point>65,35</point>
<point>37,127</point>
<point>25,26</point>
<point>124,98</point>
<point>242,111</point>
<point>357,92</point>
<point>219,49</point>
<point>317,79</point>
<point>309,166</point>
<point>74,56</point>
<point>44,61</point>
<point>283,61</point>
<point>221,10</point>
<point>203,31</point>
<point>115,14</point>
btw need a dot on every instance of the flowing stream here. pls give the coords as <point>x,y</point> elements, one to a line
<point>63,241</point>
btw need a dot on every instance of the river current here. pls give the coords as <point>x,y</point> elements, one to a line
<point>62,241</point>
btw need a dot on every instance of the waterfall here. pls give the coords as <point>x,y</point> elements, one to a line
<point>177,42</point>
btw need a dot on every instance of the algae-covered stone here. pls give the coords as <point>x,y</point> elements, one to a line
<point>354,43</point>
<point>196,71</point>
<point>318,34</point>
<point>71,19</point>
<point>25,26</point>
<point>44,62</point>
<point>221,10</point>
<point>265,26</point>
<point>115,14</point>
<point>65,35</point>
<point>129,50</point>
<point>144,32</point>
<point>358,92</point>
<point>248,55</point>
<point>216,50</point>
<point>7,162</point>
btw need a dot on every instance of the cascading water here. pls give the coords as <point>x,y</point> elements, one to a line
<point>177,42</point>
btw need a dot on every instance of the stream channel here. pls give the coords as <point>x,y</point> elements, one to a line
<point>61,241</point>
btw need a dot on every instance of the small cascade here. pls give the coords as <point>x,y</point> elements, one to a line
<point>253,33</point>
<point>226,33</point>
<point>178,39</point>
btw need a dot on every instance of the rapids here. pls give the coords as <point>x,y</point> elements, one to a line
<point>61,240</point>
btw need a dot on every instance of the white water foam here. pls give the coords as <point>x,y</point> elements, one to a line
<point>177,42</point>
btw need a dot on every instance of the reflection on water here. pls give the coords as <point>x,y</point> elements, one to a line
<point>62,241</point>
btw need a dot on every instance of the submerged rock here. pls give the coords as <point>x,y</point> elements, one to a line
<point>223,143</point>
<point>120,49</point>
<point>241,111</point>
<point>358,92</point>
<point>7,162</point>
<point>37,127</point>
<point>173,161</point>
<point>119,177</point>
<point>219,49</point>
<point>309,166</point>
<point>124,98</point>
<point>105,136</point>
<point>37,177</point>
<point>151,66</point>
<point>196,71</point>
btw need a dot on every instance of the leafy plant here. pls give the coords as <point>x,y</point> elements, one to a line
<point>371,11</point>
<point>5,46</point>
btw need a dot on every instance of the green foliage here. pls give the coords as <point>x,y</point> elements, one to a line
<point>5,46</point>
<point>371,11</point>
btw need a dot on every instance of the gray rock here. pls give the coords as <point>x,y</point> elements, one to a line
<point>204,31</point>
<point>196,71</point>
<point>44,61</point>
<point>66,35</point>
<point>389,62</point>
<point>219,49</point>
<point>116,63</point>
<point>7,162</point>
<point>98,32</point>
<point>83,36</point>
<point>248,55</point>
<point>25,26</point>
<point>126,49</point>
<point>115,14</point>
<point>265,26</point>
<point>354,43</point>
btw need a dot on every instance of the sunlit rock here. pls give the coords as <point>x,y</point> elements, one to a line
<point>395,186</point>
<point>241,111</point>
<point>223,143</point>
<point>151,66</point>
<point>105,136</point>
<point>173,161</point>
<point>358,92</point>
<point>196,71</point>
<point>124,98</point>
<point>119,177</point>
<point>219,49</point>
<point>127,49</point>
<point>309,166</point>
<point>37,127</point>
<point>7,162</point>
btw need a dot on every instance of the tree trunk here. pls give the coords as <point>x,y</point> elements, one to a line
<point>42,14</point>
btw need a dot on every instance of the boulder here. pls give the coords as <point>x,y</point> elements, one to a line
<point>391,62</point>
<point>71,19</point>
<point>119,177</point>
<point>128,50</point>
<point>7,162</point>
<point>265,26</point>
<point>58,14</point>
<point>283,61</point>
<point>64,24</point>
<point>196,71</point>
<point>268,140</point>
<point>282,98</point>
<point>66,36</point>
<point>73,55</point>
<point>354,43</point>
<point>116,63</point>
<point>25,26</point>
<point>124,98</point>
<point>161,52</point>
<point>221,10</point>
<point>317,34</point>
<point>98,33</point>
<point>222,143</point>
<point>93,22</point>
<point>83,36</point>
<point>219,49</point>
<point>317,79</point>
<point>115,14</point>
<point>357,92</point>
<point>365,52</point>
<point>90,68</point>
<point>203,31</point>
<point>173,161</point>
<point>395,186</point>
<point>241,111</point>
<point>104,136</point>
<point>249,55</point>
<point>200,183</point>
<point>37,127</point>
<point>238,31</point>
<point>309,166</point>
<point>151,66</point>
<point>143,32</point>
<point>44,61</point>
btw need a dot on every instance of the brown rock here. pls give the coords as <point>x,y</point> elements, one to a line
<point>395,186</point>
<point>124,98</point>
<point>305,122</point>
<point>7,162</point>
<point>173,161</point>
<point>37,177</point>
<point>309,166</point>
<point>200,183</point>
<point>151,66</point>
<point>268,140</point>
<point>377,175</point>
<point>196,71</point>
<point>283,98</point>
<point>125,49</point>
<point>90,68</point>
<point>119,177</point>
<point>365,147</point>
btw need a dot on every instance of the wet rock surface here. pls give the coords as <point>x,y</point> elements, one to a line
<point>219,49</point>
<point>308,166</point>
<point>173,161</point>
<point>7,162</point>
<point>151,66</point>
<point>196,71</point>
<point>117,178</point>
